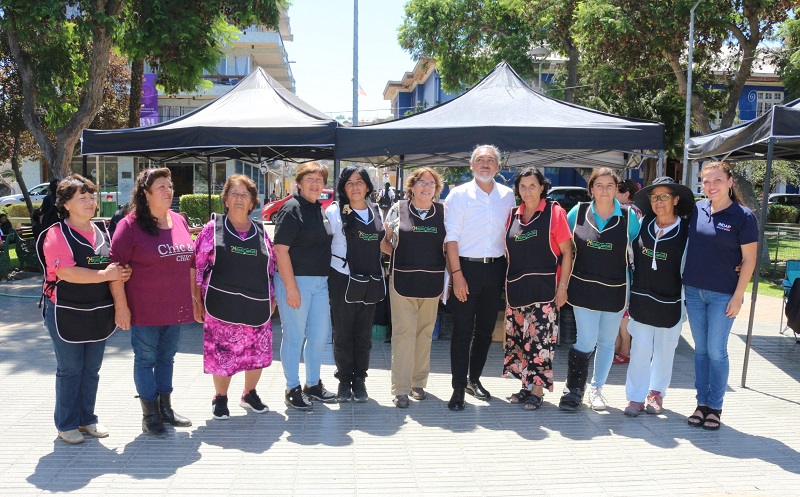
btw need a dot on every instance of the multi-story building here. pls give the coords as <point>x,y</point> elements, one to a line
<point>255,47</point>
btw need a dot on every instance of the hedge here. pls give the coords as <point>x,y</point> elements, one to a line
<point>196,205</point>
<point>17,210</point>
<point>781,214</point>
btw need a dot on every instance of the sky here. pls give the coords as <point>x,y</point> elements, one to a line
<point>322,52</point>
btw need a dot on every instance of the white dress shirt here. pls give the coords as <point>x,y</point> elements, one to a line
<point>477,220</point>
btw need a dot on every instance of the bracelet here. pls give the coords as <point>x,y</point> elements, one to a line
<point>454,272</point>
<point>562,283</point>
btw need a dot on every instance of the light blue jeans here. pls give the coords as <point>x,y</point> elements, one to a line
<point>597,329</point>
<point>306,330</point>
<point>710,330</point>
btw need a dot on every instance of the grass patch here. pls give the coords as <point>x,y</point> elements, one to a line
<point>767,287</point>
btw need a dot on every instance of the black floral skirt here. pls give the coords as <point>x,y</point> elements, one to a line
<point>531,335</point>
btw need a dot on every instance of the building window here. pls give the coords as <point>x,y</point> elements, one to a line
<point>766,99</point>
<point>101,170</point>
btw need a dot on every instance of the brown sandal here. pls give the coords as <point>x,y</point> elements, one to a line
<point>697,421</point>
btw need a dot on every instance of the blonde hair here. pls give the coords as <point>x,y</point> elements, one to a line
<point>416,174</point>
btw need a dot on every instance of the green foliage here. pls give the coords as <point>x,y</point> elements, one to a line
<point>781,214</point>
<point>754,171</point>
<point>788,57</point>
<point>196,205</point>
<point>17,210</point>
<point>182,38</point>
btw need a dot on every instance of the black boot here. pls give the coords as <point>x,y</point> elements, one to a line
<point>577,372</point>
<point>167,414</point>
<point>360,389</point>
<point>151,420</point>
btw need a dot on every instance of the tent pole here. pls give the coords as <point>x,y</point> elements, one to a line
<point>757,272</point>
<point>209,186</point>
<point>336,172</point>
<point>399,177</point>
<point>660,165</point>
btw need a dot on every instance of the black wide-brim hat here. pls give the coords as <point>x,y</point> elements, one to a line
<point>684,206</point>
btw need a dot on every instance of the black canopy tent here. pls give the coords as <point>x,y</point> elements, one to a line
<point>774,135</point>
<point>258,120</point>
<point>530,129</point>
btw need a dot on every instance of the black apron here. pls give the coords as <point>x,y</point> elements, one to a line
<point>84,312</point>
<point>532,264</point>
<point>656,293</point>
<point>238,288</point>
<point>599,280</point>
<point>418,261</point>
<point>366,284</point>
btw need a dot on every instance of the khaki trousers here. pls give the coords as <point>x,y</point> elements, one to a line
<point>412,328</point>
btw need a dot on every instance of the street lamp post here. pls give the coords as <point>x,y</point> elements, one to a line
<point>539,56</point>
<point>688,124</point>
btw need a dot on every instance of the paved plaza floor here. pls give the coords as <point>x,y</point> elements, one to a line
<point>491,448</point>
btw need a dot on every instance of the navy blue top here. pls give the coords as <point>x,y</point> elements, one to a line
<point>715,246</point>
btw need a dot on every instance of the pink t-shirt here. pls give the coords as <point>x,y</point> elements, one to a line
<point>159,290</point>
<point>57,252</point>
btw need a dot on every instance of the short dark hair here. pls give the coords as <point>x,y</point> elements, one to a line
<point>602,171</point>
<point>67,188</point>
<point>248,183</point>
<point>540,177</point>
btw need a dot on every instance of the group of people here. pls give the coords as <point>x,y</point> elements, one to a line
<point>323,271</point>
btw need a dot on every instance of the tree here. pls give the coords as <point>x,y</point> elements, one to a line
<point>787,57</point>
<point>180,39</point>
<point>61,51</point>
<point>467,37</point>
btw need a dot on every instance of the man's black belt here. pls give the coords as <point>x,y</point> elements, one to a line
<point>483,260</point>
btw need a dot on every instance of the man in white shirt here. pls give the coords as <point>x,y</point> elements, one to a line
<point>475,219</point>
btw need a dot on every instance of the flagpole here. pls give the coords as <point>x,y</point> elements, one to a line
<point>355,62</point>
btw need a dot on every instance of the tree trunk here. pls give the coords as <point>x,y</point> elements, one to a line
<point>18,175</point>
<point>135,102</point>
<point>573,58</point>
<point>699,112</point>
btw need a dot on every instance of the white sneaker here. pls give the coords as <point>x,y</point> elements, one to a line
<point>596,398</point>
<point>96,430</point>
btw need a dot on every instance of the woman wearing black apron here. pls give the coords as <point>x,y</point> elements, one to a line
<point>598,288</point>
<point>539,253</point>
<point>656,304</point>
<point>415,239</point>
<point>78,308</point>
<point>356,281</point>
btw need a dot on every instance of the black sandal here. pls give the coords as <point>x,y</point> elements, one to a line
<point>714,423</point>
<point>697,421</point>
<point>533,402</point>
<point>522,396</point>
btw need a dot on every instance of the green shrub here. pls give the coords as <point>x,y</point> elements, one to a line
<point>196,205</point>
<point>18,210</point>
<point>781,214</point>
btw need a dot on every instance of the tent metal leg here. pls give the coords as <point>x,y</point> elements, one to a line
<point>757,271</point>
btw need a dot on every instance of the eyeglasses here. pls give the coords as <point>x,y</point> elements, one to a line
<point>426,184</point>
<point>243,196</point>
<point>663,197</point>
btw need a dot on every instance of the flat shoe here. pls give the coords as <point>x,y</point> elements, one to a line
<point>401,401</point>
<point>418,393</point>
<point>697,421</point>
<point>71,436</point>
<point>95,429</point>
<point>621,359</point>
<point>520,397</point>
<point>534,402</point>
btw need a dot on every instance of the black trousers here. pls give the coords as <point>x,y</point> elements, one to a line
<point>352,330</point>
<point>474,320</point>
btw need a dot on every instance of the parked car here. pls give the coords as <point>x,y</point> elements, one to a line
<point>37,193</point>
<point>272,208</point>
<point>790,199</point>
<point>569,196</point>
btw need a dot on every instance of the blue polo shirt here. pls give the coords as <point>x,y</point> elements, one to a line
<point>715,246</point>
